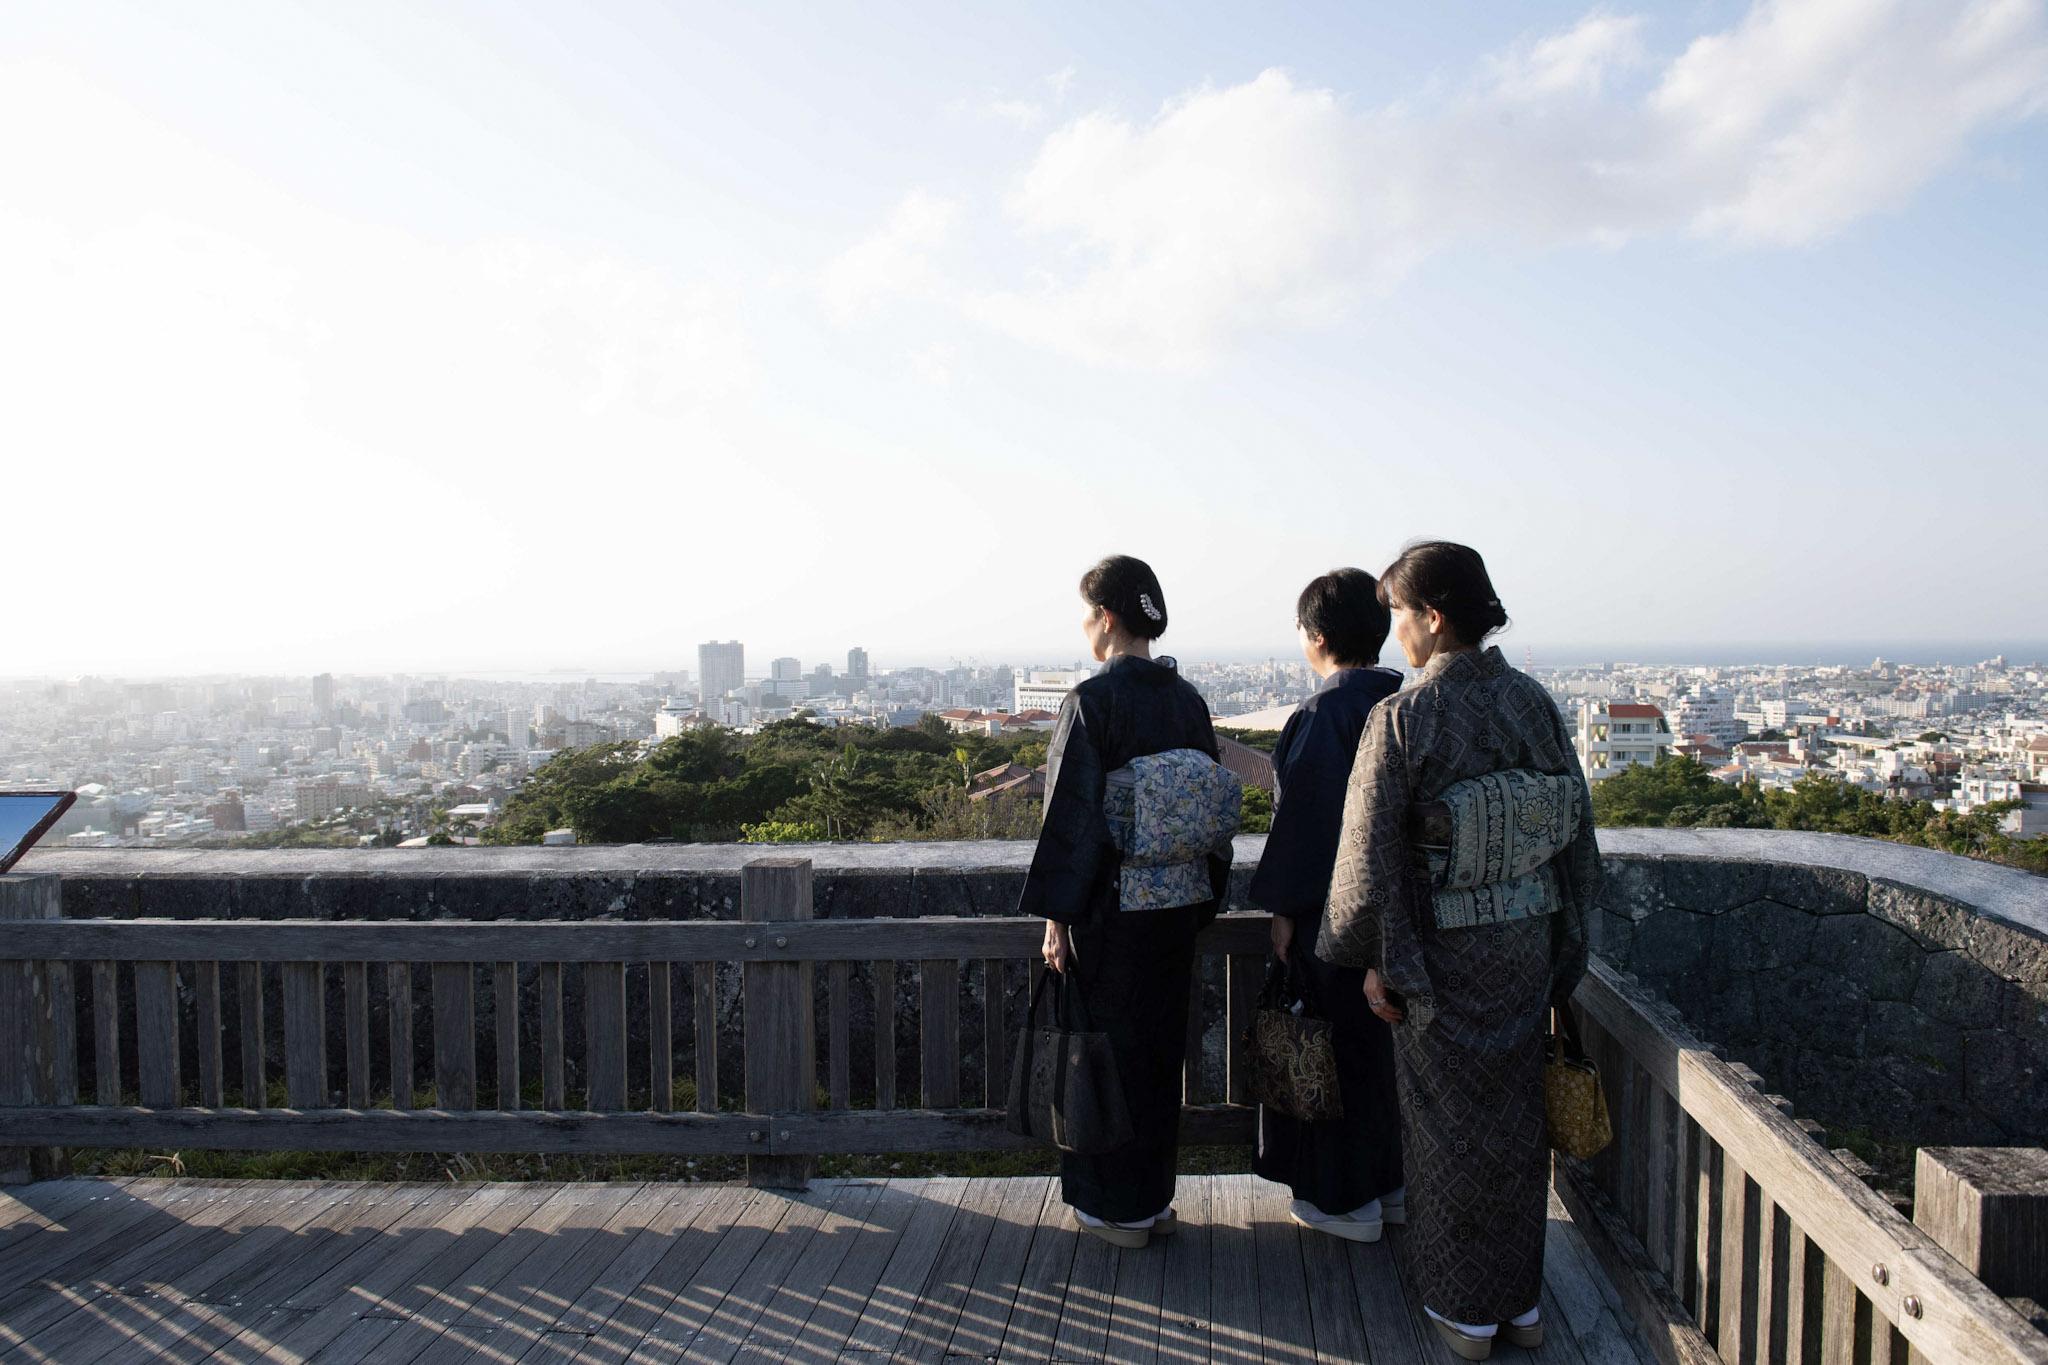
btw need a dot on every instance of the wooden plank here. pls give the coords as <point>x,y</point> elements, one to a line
<point>884,973</point>
<point>75,1212</point>
<point>704,1039</point>
<point>720,1235</point>
<point>1707,1245</point>
<point>1804,1266</point>
<point>943,1296</point>
<point>1838,1317</point>
<point>1988,1208</point>
<point>822,1132</point>
<point>780,1038</point>
<point>398,1025</point>
<point>1084,1312</point>
<point>893,1300</point>
<point>870,1248</point>
<point>1666,1325</point>
<point>1183,1303</point>
<point>1582,1301</point>
<point>1773,1232</point>
<point>455,1035</point>
<point>1134,1308</point>
<point>1740,1257</point>
<point>106,1031</point>
<point>554,1082</point>
<point>1034,1319</point>
<point>249,1014</point>
<point>604,1035</point>
<point>679,1210</point>
<point>1246,975</point>
<point>456,941</point>
<point>797,1296</point>
<point>355,992</point>
<point>207,1020</point>
<point>1855,1228</point>
<point>505,1031</point>
<point>995,1035</point>
<point>156,1034</point>
<point>984,1310</point>
<point>661,1055</point>
<point>27,1022</point>
<point>839,1034</point>
<point>938,982</point>
<point>1233,1272</point>
<point>771,1232</point>
<point>305,1035</point>
<point>1662,1153</point>
<point>1191,1082</point>
<point>1286,1322</point>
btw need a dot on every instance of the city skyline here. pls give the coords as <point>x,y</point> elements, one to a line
<point>506,338</point>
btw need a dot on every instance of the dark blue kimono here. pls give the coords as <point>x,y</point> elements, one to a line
<point>1133,967</point>
<point>1344,1163</point>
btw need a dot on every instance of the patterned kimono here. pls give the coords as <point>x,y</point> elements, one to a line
<point>1469,1054</point>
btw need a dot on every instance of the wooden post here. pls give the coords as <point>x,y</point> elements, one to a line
<point>29,1025</point>
<point>1988,1208</point>
<point>781,1067</point>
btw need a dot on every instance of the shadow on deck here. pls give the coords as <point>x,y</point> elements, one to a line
<point>852,1270</point>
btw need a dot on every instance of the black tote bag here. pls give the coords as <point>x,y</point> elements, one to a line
<point>1290,1049</point>
<point>1064,1087</point>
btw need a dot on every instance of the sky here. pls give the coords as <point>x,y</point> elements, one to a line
<point>502,335</point>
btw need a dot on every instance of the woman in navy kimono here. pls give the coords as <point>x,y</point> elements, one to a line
<point>1133,967</point>
<point>1345,1172</point>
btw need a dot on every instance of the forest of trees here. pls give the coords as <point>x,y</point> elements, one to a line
<point>1681,792</point>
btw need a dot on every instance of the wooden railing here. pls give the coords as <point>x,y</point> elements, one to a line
<point>786,1105</point>
<point>1738,1222</point>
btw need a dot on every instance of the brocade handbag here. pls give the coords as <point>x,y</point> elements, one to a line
<point>1573,1100</point>
<point>1064,1086</point>
<point>1289,1049</point>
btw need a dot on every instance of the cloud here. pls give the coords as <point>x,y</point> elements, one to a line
<point>1238,209</point>
<point>896,260</point>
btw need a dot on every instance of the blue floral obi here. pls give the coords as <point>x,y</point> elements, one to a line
<point>1505,828</point>
<point>1167,814</point>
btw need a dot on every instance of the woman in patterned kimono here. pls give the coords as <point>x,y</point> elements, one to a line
<point>1345,1172</point>
<point>1469,1005</point>
<point>1133,967</point>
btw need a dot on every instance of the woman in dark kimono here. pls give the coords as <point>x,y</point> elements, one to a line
<point>1340,1169</point>
<point>1469,1004</point>
<point>1133,967</point>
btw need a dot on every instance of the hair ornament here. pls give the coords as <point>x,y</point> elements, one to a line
<point>1145,605</point>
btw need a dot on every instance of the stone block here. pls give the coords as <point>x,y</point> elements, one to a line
<point>1613,937</point>
<point>1900,1032</point>
<point>1760,936</point>
<point>1934,921</point>
<point>1821,890</point>
<point>1822,1010</point>
<point>1709,886</point>
<point>1633,887</point>
<point>2006,1081</point>
<point>1958,990</point>
<point>2010,951</point>
<point>1670,946</point>
<point>1885,959</point>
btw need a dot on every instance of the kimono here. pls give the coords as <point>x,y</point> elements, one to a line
<point>1133,967</point>
<point>1469,1053</point>
<point>1347,1162</point>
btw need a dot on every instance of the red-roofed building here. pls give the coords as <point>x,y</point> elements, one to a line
<point>1617,735</point>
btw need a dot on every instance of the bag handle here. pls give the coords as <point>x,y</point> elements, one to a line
<point>1564,1032</point>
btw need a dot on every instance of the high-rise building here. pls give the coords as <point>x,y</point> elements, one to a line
<point>786,679</point>
<point>518,735</point>
<point>857,666</point>
<point>723,667</point>
<point>323,696</point>
<point>1043,689</point>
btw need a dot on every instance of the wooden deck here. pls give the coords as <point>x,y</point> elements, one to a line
<point>853,1270</point>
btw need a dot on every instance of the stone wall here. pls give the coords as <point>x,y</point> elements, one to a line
<point>1889,988</point>
<point>1892,989</point>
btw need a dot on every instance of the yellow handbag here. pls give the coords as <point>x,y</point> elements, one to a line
<point>1572,1098</point>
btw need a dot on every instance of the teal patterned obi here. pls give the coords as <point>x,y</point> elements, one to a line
<point>1505,829</point>
<point>1167,813</point>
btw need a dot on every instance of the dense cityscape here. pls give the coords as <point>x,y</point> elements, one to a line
<point>384,761</point>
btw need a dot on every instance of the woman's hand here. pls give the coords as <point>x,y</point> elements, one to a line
<point>1058,947</point>
<point>1283,936</point>
<point>1378,999</point>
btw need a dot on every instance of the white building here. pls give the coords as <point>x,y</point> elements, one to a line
<point>1043,689</point>
<point>672,719</point>
<point>786,680</point>
<point>1711,716</point>
<point>722,668</point>
<point>1617,735</point>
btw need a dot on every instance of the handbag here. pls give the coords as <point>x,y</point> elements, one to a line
<point>1064,1086</point>
<point>1573,1100</point>
<point>1289,1050</point>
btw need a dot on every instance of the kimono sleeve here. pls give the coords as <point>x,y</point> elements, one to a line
<point>1369,920</point>
<point>1294,874</point>
<point>1579,874</point>
<point>1073,840</point>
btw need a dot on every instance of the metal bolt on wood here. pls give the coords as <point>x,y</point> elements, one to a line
<point>1911,1305</point>
<point>1880,1274</point>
